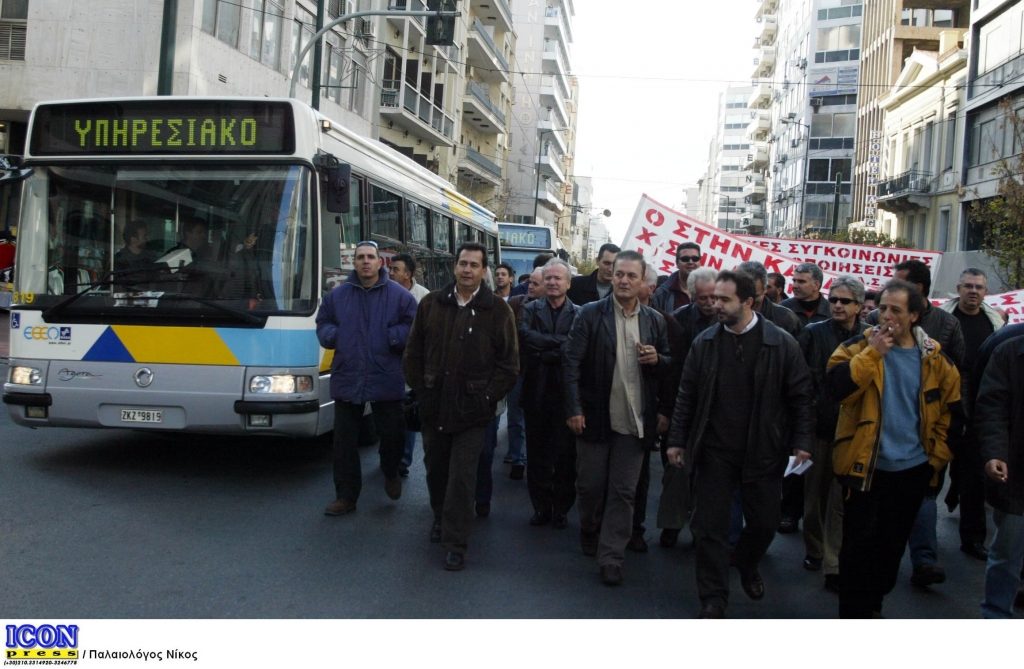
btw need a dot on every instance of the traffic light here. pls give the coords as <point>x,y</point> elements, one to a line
<point>441,30</point>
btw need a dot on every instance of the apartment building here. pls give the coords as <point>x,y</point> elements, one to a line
<point>729,190</point>
<point>995,86</point>
<point>802,111</point>
<point>544,135</point>
<point>446,107</point>
<point>892,29</point>
<point>918,190</point>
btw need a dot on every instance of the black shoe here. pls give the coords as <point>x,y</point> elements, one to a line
<point>975,550</point>
<point>812,563</point>
<point>788,525</point>
<point>637,544</point>
<point>832,583</point>
<point>454,561</point>
<point>752,583</point>
<point>611,574</point>
<point>928,574</point>
<point>559,521</point>
<point>712,610</point>
<point>483,509</point>
<point>516,473</point>
<point>669,537</point>
<point>540,518</point>
<point>588,542</point>
<point>435,532</point>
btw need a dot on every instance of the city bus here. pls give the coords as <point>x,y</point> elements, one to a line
<point>172,253</point>
<point>521,242</point>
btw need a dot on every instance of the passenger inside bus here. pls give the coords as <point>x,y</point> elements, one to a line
<point>244,275</point>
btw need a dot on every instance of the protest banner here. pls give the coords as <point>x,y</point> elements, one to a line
<point>874,265</point>
<point>657,231</point>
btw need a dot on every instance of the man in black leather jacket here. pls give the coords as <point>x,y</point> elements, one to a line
<point>744,405</point>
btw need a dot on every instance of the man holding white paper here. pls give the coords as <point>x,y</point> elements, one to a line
<point>744,405</point>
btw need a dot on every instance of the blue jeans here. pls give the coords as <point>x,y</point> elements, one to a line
<point>410,446</point>
<point>1005,559</point>
<point>516,440</point>
<point>924,542</point>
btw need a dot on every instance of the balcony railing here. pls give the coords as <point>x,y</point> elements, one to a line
<point>480,93</point>
<point>489,41</point>
<point>479,159</point>
<point>1009,71</point>
<point>394,92</point>
<point>412,6</point>
<point>908,183</point>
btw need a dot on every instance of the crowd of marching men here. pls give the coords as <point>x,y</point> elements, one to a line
<point>868,399</point>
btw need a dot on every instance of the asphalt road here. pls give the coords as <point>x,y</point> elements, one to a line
<point>111,524</point>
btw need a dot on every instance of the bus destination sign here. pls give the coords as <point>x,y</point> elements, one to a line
<point>525,237</point>
<point>141,127</point>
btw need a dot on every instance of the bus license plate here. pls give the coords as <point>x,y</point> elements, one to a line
<point>141,416</point>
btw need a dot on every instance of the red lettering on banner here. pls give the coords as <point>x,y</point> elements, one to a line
<point>740,253</point>
<point>673,246</point>
<point>645,236</point>
<point>1008,298</point>
<point>655,217</point>
<point>773,264</point>
<point>720,243</point>
<point>667,266</point>
<point>701,234</point>
<point>713,262</point>
<point>681,229</point>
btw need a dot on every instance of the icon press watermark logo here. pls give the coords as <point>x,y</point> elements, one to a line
<point>42,643</point>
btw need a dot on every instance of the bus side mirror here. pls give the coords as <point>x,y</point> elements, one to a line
<point>335,180</point>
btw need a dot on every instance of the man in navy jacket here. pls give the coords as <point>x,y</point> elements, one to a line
<point>366,321</point>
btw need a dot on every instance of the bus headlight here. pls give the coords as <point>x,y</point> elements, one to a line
<point>282,384</point>
<point>26,376</point>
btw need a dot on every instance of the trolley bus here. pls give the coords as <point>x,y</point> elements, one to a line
<point>172,253</point>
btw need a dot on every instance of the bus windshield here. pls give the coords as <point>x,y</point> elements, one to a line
<point>167,241</point>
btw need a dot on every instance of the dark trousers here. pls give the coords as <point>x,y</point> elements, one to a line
<point>674,503</point>
<point>451,462</point>
<point>716,478</point>
<point>551,467</point>
<point>876,526</point>
<point>793,497</point>
<point>349,422</point>
<point>643,489</point>
<point>967,487</point>
<point>606,483</point>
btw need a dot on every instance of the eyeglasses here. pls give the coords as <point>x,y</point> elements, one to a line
<point>367,242</point>
<point>689,258</point>
<point>842,300</point>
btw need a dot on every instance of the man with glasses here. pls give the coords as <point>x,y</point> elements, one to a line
<point>673,294</point>
<point>823,500</point>
<point>461,359</point>
<point>744,406</point>
<point>967,472</point>
<point>366,322</point>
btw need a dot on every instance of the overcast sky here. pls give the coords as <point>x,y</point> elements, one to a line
<point>649,85</point>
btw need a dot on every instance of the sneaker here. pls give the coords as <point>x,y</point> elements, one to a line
<point>928,574</point>
<point>393,487</point>
<point>339,507</point>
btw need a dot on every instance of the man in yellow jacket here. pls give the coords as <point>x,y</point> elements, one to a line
<point>895,388</point>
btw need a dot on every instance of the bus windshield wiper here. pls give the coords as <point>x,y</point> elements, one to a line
<point>243,316</point>
<point>107,279</point>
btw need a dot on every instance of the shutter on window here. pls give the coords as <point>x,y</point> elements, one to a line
<point>12,41</point>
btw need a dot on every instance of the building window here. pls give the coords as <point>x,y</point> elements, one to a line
<point>840,12</point>
<point>826,169</point>
<point>837,43</point>
<point>302,32</point>
<point>335,57</point>
<point>222,20</point>
<point>13,29</point>
<point>950,147</point>
<point>268,17</point>
<point>941,240</point>
<point>833,125</point>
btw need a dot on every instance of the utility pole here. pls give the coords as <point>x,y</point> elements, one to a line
<point>318,57</point>
<point>835,202</point>
<point>168,33</point>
